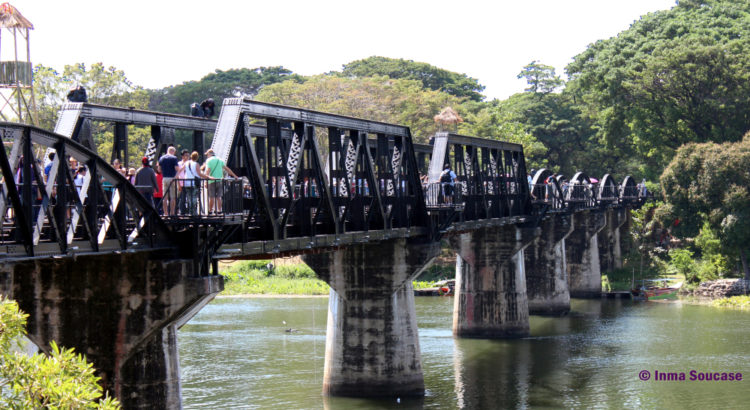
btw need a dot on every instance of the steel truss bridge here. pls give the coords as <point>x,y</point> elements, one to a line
<point>311,181</point>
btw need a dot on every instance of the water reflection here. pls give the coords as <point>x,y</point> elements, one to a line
<point>491,374</point>
<point>236,354</point>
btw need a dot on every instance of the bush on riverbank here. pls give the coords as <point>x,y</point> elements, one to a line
<point>255,277</point>
<point>742,302</point>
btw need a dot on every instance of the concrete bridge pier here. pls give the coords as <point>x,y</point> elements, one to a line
<point>582,252</point>
<point>121,310</point>
<point>490,300</point>
<point>610,248</point>
<point>546,267</point>
<point>372,344</point>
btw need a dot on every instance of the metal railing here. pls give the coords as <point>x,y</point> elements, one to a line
<point>549,193</point>
<point>444,194</point>
<point>201,198</point>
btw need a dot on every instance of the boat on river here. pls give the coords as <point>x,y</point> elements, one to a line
<point>442,288</point>
<point>655,289</point>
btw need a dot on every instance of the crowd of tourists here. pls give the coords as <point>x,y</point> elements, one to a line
<point>174,185</point>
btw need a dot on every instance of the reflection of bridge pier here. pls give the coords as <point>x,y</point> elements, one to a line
<point>546,268</point>
<point>122,311</point>
<point>372,344</point>
<point>582,251</point>
<point>477,383</point>
<point>490,297</point>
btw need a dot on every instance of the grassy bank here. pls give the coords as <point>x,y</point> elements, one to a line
<point>622,279</point>
<point>742,302</point>
<point>255,278</point>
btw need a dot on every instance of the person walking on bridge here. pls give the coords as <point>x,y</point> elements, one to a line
<point>447,181</point>
<point>145,181</point>
<point>215,168</point>
<point>169,166</point>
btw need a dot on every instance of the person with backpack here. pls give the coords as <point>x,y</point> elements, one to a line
<point>447,182</point>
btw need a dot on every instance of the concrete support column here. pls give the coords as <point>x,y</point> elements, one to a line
<point>121,311</point>
<point>490,299</point>
<point>546,267</point>
<point>582,252</point>
<point>372,344</point>
<point>610,248</point>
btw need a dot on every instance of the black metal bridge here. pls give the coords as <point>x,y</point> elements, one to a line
<point>310,181</point>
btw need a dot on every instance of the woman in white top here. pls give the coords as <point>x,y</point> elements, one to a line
<point>191,184</point>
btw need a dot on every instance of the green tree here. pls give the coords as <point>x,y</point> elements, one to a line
<point>558,123</point>
<point>707,188</point>
<point>218,85</point>
<point>431,77</point>
<point>379,98</point>
<point>104,85</point>
<point>495,122</point>
<point>62,380</point>
<point>541,78</point>
<point>673,77</point>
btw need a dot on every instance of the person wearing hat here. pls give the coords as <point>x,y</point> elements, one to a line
<point>215,168</point>
<point>145,181</point>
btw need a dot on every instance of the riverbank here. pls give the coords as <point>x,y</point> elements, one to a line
<point>277,278</point>
<point>739,302</point>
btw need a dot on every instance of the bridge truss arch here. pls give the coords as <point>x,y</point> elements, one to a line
<point>546,190</point>
<point>43,217</point>
<point>608,191</point>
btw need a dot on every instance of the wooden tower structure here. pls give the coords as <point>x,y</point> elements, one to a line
<point>16,75</point>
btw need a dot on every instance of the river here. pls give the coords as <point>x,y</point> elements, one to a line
<point>236,354</point>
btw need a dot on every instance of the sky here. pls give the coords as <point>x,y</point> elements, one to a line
<point>163,42</point>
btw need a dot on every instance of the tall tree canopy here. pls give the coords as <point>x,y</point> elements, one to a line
<point>218,85</point>
<point>674,77</point>
<point>709,184</point>
<point>104,85</point>
<point>431,77</point>
<point>378,98</point>
<point>541,78</point>
<point>494,121</point>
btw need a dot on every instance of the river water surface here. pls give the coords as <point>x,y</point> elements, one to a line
<point>236,354</point>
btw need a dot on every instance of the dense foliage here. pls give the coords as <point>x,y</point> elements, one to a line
<point>707,189</point>
<point>431,77</point>
<point>218,85</point>
<point>378,98</point>
<point>62,380</point>
<point>104,85</point>
<point>674,77</point>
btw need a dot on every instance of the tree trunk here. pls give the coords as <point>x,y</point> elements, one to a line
<point>743,258</point>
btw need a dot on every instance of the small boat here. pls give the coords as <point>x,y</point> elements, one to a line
<point>655,289</point>
<point>441,288</point>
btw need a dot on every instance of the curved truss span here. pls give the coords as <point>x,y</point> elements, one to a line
<point>55,213</point>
